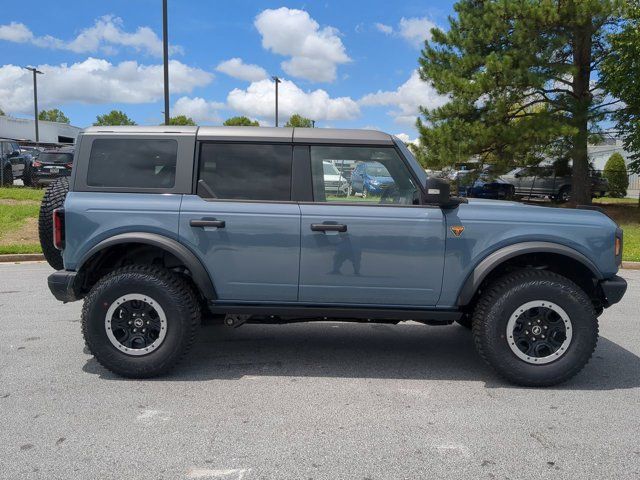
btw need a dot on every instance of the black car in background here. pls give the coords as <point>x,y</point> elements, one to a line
<point>14,164</point>
<point>50,165</point>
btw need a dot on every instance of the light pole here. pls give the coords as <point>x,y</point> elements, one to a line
<point>277,80</point>
<point>35,98</point>
<point>165,55</point>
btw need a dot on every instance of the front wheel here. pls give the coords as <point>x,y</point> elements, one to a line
<point>535,328</point>
<point>139,321</point>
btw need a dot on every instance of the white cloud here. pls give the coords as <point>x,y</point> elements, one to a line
<point>258,101</point>
<point>104,36</point>
<point>15,32</point>
<point>236,68</point>
<point>315,52</point>
<point>416,30</point>
<point>198,108</point>
<point>95,81</point>
<point>407,99</point>
<point>386,29</point>
<point>404,137</point>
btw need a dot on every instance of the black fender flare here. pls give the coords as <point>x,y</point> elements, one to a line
<point>480,272</point>
<point>198,272</point>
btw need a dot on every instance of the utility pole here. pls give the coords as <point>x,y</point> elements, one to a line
<point>35,98</point>
<point>165,55</point>
<point>277,80</point>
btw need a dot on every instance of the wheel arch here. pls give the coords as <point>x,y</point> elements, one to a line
<point>509,255</point>
<point>184,256</point>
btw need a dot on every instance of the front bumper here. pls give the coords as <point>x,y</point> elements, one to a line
<point>62,285</point>
<point>613,289</point>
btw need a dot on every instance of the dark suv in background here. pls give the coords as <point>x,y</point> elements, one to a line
<point>51,165</point>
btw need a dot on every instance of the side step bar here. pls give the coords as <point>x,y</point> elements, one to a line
<point>339,312</point>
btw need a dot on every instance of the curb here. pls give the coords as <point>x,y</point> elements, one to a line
<point>21,257</point>
<point>631,265</point>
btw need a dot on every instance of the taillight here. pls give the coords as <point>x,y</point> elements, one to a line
<point>58,228</point>
<point>37,164</point>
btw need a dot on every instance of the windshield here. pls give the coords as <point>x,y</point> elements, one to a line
<point>55,157</point>
<point>377,170</point>
<point>329,169</point>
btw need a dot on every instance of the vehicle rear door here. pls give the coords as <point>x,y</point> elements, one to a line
<point>242,223</point>
<point>379,250</point>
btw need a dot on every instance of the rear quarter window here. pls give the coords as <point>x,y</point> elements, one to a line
<point>133,163</point>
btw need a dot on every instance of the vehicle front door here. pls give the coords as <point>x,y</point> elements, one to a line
<point>242,223</point>
<point>12,151</point>
<point>379,250</point>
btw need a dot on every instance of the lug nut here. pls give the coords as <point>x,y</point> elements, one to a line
<point>135,330</point>
<point>526,332</point>
<point>130,322</point>
<point>144,330</point>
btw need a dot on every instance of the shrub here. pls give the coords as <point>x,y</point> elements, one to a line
<point>615,171</point>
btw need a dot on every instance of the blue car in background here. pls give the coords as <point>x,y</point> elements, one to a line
<point>370,178</point>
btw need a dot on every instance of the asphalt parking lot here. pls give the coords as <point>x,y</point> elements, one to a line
<point>321,401</point>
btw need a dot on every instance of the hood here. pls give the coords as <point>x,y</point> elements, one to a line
<point>524,213</point>
<point>381,179</point>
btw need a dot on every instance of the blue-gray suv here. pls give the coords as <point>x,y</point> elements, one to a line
<point>159,226</point>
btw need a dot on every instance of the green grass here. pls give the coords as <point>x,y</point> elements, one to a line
<point>615,201</point>
<point>13,249</point>
<point>631,248</point>
<point>13,216</point>
<point>20,193</point>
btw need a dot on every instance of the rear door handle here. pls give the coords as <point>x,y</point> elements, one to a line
<point>328,227</point>
<point>207,223</point>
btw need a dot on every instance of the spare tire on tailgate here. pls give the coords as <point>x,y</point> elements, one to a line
<point>53,198</point>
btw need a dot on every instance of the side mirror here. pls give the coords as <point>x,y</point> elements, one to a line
<point>438,192</point>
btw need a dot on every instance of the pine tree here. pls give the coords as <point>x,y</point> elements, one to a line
<point>520,77</point>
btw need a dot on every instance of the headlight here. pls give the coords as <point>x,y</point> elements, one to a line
<point>374,182</point>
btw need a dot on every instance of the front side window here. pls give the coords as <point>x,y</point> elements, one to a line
<point>133,163</point>
<point>372,175</point>
<point>245,171</point>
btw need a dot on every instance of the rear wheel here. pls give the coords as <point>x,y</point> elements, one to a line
<point>7,176</point>
<point>140,320</point>
<point>53,198</point>
<point>27,176</point>
<point>535,328</point>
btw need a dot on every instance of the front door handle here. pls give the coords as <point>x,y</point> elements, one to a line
<point>207,223</point>
<point>328,227</point>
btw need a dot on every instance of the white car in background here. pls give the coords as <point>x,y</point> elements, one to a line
<point>334,182</point>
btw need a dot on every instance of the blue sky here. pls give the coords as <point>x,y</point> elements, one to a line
<point>345,64</point>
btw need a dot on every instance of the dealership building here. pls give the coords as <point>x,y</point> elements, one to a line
<point>50,133</point>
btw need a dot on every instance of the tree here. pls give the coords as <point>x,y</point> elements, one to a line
<point>114,117</point>
<point>241,121</point>
<point>615,171</point>
<point>53,115</point>
<point>2,114</point>
<point>522,83</point>
<point>297,120</point>
<point>181,120</point>
<point>621,78</point>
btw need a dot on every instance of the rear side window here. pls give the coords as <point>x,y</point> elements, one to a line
<point>245,171</point>
<point>133,163</point>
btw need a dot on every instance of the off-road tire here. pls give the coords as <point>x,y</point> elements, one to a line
<point>564,195</point>
<point>507,294</point>
<point>53,198</point>
<point>7,178</point>
<point>176,298</point>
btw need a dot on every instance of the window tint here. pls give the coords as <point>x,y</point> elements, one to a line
<point>367,174</point>
<point>245,172</point>
<point>133,163</point>
<point>51,157</point>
